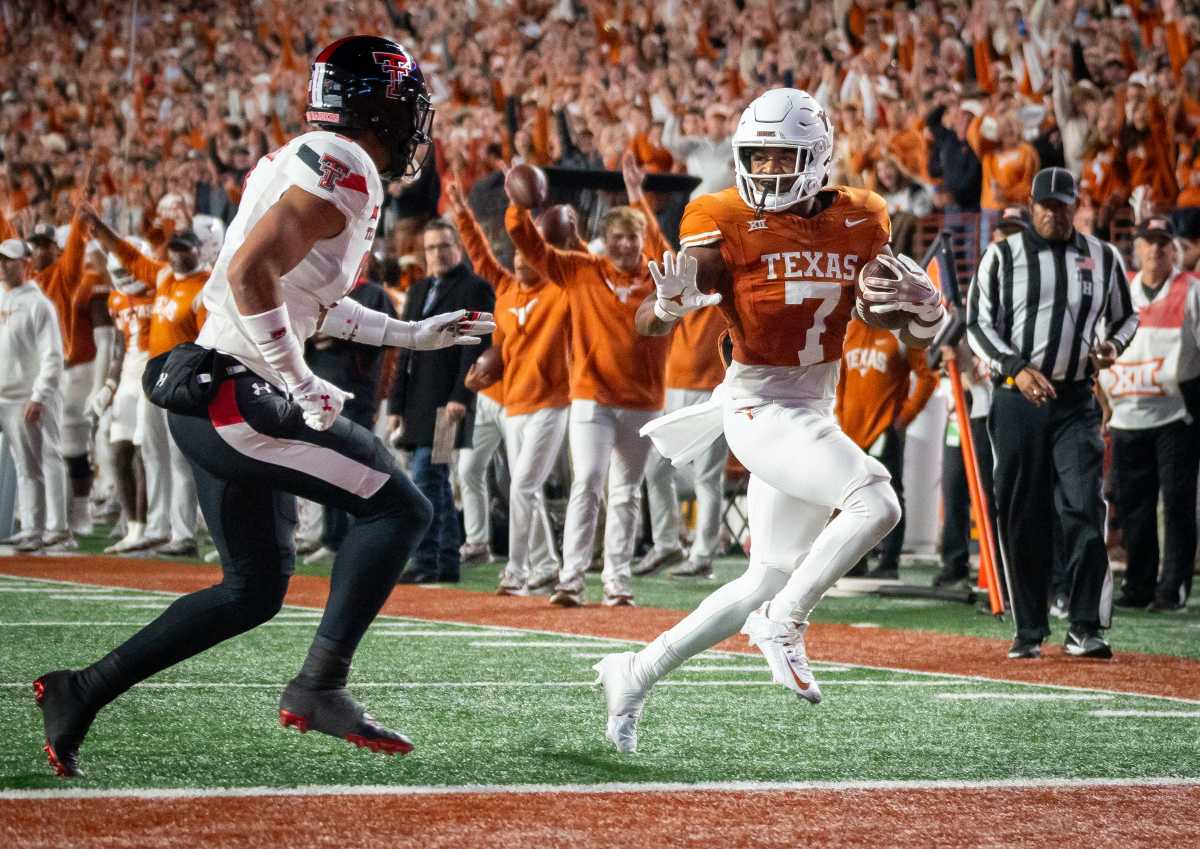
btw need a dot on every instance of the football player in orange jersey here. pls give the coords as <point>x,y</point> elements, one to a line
<point>779,254</point>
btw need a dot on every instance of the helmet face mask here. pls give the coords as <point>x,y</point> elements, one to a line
<point>373,84</point>
<point>782,119</point>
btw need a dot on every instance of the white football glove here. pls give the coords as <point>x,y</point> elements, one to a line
<point>909,289</point>
<point>320,401</point>
<point>102,400</point>
<point>461,327</point>
<point>675,286</point>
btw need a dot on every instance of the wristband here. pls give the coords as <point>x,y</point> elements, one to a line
<point>399,334</point>
<point>350,320</point>
<point>271,332</point>
<point>663,315</point>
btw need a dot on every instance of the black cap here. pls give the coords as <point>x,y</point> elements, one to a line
<point>43,233</point>
<point>1156,227</point>
<point>1187,222</point>
<point>1054,184</point>
<point>1014,218</point>
<point>184,240</point>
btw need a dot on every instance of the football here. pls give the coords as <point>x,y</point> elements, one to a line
<point>527,186</point>
<point>558,225</point>
<point>486,370</point>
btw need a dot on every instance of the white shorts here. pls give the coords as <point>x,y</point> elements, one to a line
<point>125,418</point>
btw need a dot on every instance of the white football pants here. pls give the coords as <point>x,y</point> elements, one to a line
<point>532,442</point>
<point>171,506</point>
<point>708,480</point>
<point>604,439</point>
<point>473,464</point>
<point>802,468</point>
<point>41,473</point>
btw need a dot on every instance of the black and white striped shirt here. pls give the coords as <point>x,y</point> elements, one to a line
<point>1048,304</point>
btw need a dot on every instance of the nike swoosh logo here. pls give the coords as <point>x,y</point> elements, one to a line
<point>853,222</point>
<point>803,685</point>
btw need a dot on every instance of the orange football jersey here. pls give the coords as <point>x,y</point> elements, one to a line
<point>531,331</point>
<point>131,315</point>
<point>176,317</point>
<point>792,278</point>
<point>874,389</point>
<point>69,288</point>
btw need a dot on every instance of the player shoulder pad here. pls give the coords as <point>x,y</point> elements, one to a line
<point>864,203</point>
<point>707,218</point>
<point>333,167</point>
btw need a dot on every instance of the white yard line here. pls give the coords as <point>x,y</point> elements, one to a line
<point>981,679</point>
<point>1165,714</point>
<point>998,785</point>
<point>497,685</point>
<point>1023,697</point>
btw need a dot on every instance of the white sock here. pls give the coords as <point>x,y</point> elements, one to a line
<point>866,517</point>
<point>136,530</point>
<point>718,616</point>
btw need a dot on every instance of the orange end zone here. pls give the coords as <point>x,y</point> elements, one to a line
<point>1055,818</point>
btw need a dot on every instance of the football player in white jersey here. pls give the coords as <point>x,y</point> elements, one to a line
<point>269,429</point>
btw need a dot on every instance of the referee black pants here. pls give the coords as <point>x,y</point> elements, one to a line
<point>1146,461</point>
<point>1046,459</point>
<point>251,455</point>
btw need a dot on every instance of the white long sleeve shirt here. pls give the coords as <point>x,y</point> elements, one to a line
<point>711,161</point>
<point>31,348</point>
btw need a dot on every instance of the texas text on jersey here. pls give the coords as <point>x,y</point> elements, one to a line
<point>792,277</point>
<point>334,168</point>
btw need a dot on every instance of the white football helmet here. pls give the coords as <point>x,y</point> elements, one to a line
<point>788,118</point>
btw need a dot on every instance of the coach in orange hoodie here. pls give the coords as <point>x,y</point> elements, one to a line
<point>616,387</point>
<point>875,405</point>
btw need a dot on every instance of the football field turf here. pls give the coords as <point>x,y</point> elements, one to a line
<point>502,707</point>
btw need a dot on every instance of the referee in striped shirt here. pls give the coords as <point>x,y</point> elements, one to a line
<point>1047,308</point>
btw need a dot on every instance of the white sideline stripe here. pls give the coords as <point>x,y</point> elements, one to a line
<point>143,606</point>
<point>864,625</point>
<point>315,460</point>
<point>979,679</point>
<point>88,597</point>
<point>495,685</point>
<point>1178,714</point>
<point>1024,697</point>
<point>409,632</point>
<point>1016,784</point>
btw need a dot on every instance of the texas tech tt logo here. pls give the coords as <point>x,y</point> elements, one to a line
<point>396,66</point>
<point>332,171</point>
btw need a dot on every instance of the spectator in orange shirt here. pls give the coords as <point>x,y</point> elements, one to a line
<point>176,317</point>
<point>875,406</point>
<point>1009,164</point>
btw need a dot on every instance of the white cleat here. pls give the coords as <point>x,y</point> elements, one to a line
<point>625,699</point>
<point>782,643</point>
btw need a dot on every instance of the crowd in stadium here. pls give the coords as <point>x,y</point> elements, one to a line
<point>126,142</point>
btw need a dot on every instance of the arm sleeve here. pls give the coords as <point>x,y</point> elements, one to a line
<point>1120,318</point>
<point>923,389</point>
<point>333,169</point>
<point>49,351</point>
<point>480,252</point>
<point>559,267</point>
<point>982,303</point>
<point>138,264</point>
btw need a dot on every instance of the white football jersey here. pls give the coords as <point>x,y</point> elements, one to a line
<point>334,168</point>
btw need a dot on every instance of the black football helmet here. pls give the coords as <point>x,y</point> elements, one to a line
<point>372,83</point>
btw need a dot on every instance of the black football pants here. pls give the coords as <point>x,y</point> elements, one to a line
<point>1049,459</point>
<point>251,456</point>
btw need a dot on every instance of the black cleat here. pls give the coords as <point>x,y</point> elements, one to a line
<point>66,719</point>
<point>1087,644</point>
<point>1023,649</point>
<point>335,713</point>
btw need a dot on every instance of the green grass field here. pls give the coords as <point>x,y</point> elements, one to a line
<point>502,706</point>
